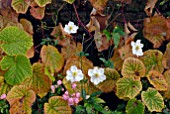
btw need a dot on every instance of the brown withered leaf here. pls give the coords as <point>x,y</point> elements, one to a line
<point>154,29</point>
<point>166,57</point>
<point>80,62</point>
<point>167,33</point>
<point>167,78</point>
<point>149,6</point>
<point>30,52</point>
<point>99,4</point>
<point>93,24</point>
<point>118,62</point>
<point>71,49</point>
<point>125,51</point>
<point>61,36</point>
<point>157,80</point>
<point>37,12</point>
<point>27,25</point>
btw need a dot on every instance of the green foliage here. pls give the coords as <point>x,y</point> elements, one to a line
<point>107,63</point>
<point>135,106</point>
<point>4,107</point>
<point>15,41</point>
<point>18,68</point>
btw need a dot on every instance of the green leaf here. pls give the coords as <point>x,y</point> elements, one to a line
<point>99,100</point>
<point>18,68</point>
<point>135,106</point>
<point>107,33</point>
<point>39,82</point>
<point>153,100</point>
<point>83,94</point>
<point>15,41</point>
<point>20,99</point>
<point>99,108</point>
<point>42,3</point>
<point>128,87</point>
<point>69,1</point>
<point>79,109</point>
<point>20,6</point>
<point>116,39</point>
<point>89,108</point>
<point>57,105</point>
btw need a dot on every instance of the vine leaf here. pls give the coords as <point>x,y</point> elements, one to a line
<point>42,3</point>
<point>39,82</point>
<point>51,57</point>
<point>18,68</point>
<point>15,41</point>
<point>166,58</point>
<point>37,12</point>
<point>157,80</point>
<point>152,60</point>
<point>21,6</point>
<point>153,100</point>
<point>69,1</point>
<point>135,106</point>
<point>110,83</point>
<point>80,62</point>
<point>154,29</point>
<point>88,86</point>
<point>128,87</point>
<point>133,67</point>
<point>57,105</point>
<point>27,25</point>
<point>20,99</point>
<point>167,78</point>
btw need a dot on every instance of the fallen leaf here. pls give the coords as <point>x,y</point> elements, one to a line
<point>150,6</point>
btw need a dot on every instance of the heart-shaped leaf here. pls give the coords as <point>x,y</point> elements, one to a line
<point>57,105</point>
<point>128,87</point>
<point>51,57</point>
<point>39,82</point>
<point>166,57</point>
<point>153,100</point>
<point>110,83</point>
<point>157,80</point>
<point>135,106</point>
<point>133,67</point>
<point>21,6</point>
<point>167,78</point>
<point>15,41</point>
<point>43,3</point>
<point>18,68</point>
<point>20,99</point>
<point>152,60</point>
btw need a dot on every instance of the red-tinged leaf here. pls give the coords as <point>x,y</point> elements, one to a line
<point>20,99</point>
<point>37,12</point>
<point>149,6</point>
<point>27,25</point>
<point>166,57</point>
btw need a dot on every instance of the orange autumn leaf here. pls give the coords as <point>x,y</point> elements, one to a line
<point>61,36</point>
<point>167,79</point>
<point>154,29</point>
<point>71,49</point>
<point>37,12</point>
<point>30,52</point>
<point>51,57</point>
<point>27,25</point>
<point>125,51</point>
<point>157,80</point>
<point>166,57</point>
<point>149,6</point>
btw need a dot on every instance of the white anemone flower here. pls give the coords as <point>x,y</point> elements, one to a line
<point>71,28</point>
<point>96,75</point>
<point>137,48</point>
<point>74,74</point>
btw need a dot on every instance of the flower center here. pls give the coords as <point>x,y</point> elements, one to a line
<point>137,48</point>
<point>70,28</point>
<point>74,74</point>
<point>96,75</point>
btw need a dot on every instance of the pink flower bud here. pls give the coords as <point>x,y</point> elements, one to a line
<point>73,95</point>
<point>66,93</point>
<point>62,89</point>
<point>74,85</point>
<point>3,96</point>
<point>59,82</point>
<point>65,97</point>
<point>77,94</point>
<point>76,100</point>
<point>53,88</point>
<point>70,101</point>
